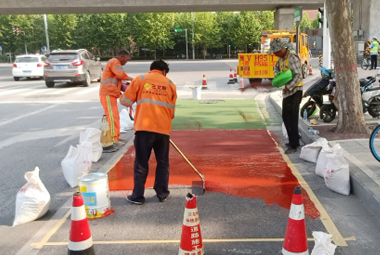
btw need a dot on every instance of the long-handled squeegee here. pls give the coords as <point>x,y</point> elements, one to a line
<point>195,183</point>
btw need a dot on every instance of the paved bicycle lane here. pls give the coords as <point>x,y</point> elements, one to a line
<point>230,224</point>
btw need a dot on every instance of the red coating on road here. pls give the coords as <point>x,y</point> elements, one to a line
<point>244,163</point>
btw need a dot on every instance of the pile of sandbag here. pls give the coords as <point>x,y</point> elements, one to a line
<point>79,159</point>
<point>330,164</point>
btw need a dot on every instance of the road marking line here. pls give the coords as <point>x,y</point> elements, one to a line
<point>325,218</point>
<point>87,90</point>
<point>235,240</point>
<point>52,231</point>
<point>27,115</point>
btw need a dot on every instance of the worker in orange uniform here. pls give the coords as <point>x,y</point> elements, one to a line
<point>155,96</point>
<point>110,91</point>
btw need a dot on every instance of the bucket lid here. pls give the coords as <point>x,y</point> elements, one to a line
<point>93,177</point>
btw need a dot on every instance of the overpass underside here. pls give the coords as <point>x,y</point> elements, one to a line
<point>136,6</point>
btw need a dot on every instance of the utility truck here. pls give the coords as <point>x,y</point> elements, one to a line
<point>259,64</point>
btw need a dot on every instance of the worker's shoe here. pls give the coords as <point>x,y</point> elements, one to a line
<point>110,149</point>
<point>163,199</point>
<point>290,150</point>
<point>131,200</point>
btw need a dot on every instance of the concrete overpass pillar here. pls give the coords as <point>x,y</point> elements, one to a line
<point>366,18</point>
<point>284,18</point>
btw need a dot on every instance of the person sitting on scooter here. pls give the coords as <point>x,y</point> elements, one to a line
<point>291,92</point>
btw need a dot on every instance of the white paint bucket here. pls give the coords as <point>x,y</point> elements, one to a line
<point>95,191</point>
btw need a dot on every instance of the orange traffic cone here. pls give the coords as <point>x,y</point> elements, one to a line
<point>191,239</point>
<point>204,82</point>
<point>310,70</point>
<point>295,241</point>
<point>241,82</point>
<point>80,235</point>
<point>231,78</point>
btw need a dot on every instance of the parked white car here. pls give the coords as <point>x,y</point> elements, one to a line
<point>29,66</point>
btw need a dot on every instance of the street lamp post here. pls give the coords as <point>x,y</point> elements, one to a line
<point>26,48</point>
<point>47,35</point>
<point>187,47</point>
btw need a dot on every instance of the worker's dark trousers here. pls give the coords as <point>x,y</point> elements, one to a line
<point>373,61</point>
<point>290,115</point>
<point>144,143</point>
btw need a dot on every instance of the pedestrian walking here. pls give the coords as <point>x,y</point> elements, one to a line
<point>155,96</point>
<point>374,49</point>
<point>110,91</point>
<point>291,92</point>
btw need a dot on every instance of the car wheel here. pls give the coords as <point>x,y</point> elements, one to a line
<point>16,78</point>
<point>49,84</point>
<point>100,75</point>
<point>87,80</point>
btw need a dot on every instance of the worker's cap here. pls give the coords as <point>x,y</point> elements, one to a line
<point>374,39</point>
<point>277,45</point>
<point>123,52</point>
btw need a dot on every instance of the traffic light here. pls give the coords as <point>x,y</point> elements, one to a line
<point>321,10</point>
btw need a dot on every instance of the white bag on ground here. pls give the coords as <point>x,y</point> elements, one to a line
<point>32,200</point>
<point>322,158</point>
<point>284,131</point>
<point>125,121</point>
<point>310,151</point>
<point>322,244</point>
<point>337,173</point>
<point>77,163</point>
<point>92,135</point>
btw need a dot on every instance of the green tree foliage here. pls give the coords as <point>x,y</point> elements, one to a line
<point>104,34</point>
<point>206,31</point>
<point>152,30</point>
<point>306,22</point>
<point>61,30</point>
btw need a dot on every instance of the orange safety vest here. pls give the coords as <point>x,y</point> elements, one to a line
<point>155,96</point>
<point>111,78</point>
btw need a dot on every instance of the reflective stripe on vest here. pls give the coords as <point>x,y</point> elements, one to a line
<point>109,81</point>
<point>284,65</point>
<point>375,47</point>
<point>151,101</point>
<point>126,100</point>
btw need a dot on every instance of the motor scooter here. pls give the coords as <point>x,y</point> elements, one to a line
<point>316,92</point>
<point>370,99</point>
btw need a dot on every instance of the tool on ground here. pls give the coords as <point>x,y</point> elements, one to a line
<point>195,183</point>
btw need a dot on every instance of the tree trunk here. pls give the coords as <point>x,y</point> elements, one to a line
<point>350,116</point>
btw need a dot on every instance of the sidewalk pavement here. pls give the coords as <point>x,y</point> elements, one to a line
<point>364,168</point>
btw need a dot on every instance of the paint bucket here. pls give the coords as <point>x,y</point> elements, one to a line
<point>95,191</point>
<point>197,92</point>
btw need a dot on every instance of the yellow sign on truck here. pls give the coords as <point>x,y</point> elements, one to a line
<point>259,65</point>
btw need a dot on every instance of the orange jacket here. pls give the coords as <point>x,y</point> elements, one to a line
<point>111,78</point>
<point>155,96</point>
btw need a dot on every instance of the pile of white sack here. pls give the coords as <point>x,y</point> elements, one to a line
<point>330,164</point>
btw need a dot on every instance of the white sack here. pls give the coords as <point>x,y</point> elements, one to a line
<point>284,131</point>
<point>337,173</point>
<point>125,121</point>
<point>310,151</point>
<point>32,200</point>
<point>323,245</point>
<point>322,158</point>
<point>92,135</point>
<point>77,163</point>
